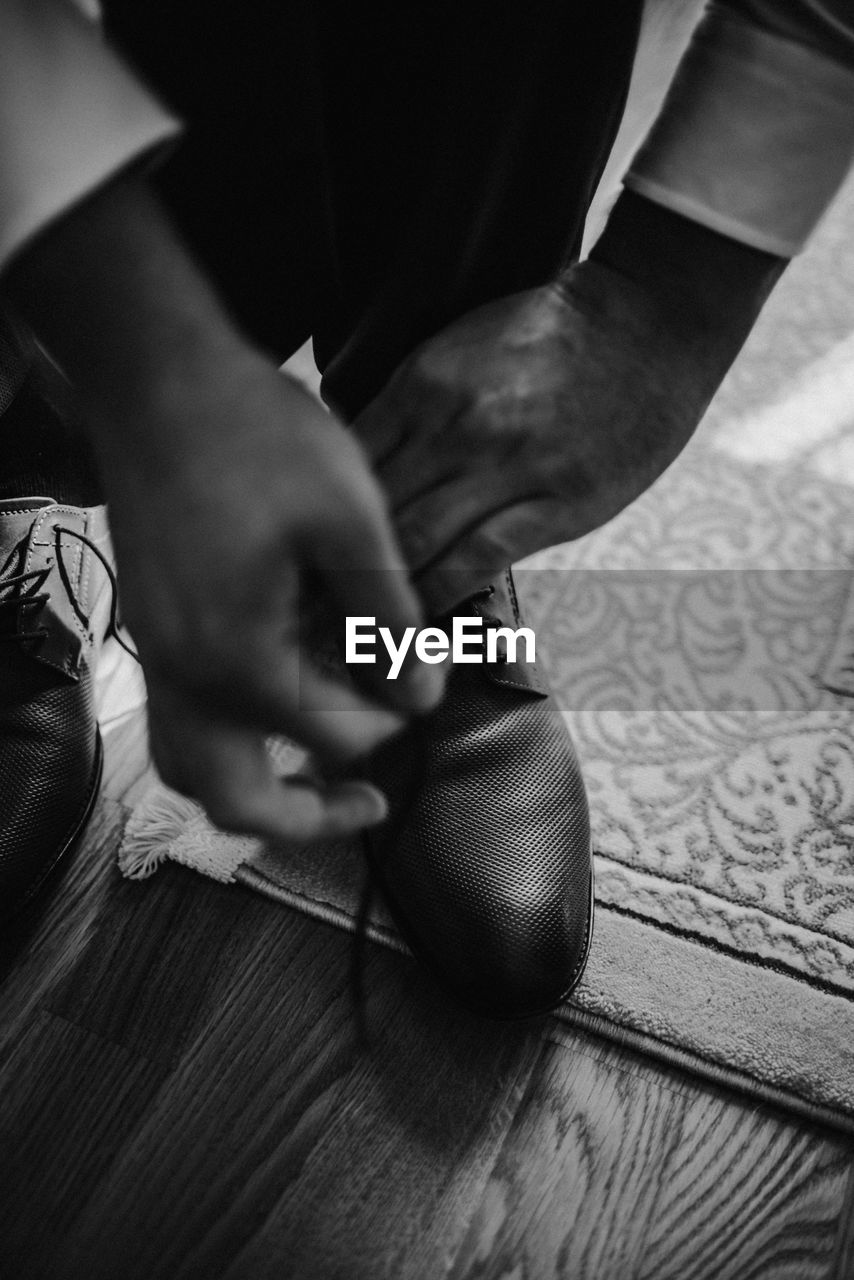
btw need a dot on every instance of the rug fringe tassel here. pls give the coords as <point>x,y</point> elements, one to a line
<point>158,821</point>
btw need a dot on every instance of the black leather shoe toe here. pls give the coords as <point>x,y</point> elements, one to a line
<point>54,600</point>
<point>485,861</point>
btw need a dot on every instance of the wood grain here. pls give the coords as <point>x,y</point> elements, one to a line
<point>616,1167</point>
<point>183,1094</point>
<point>261,1128</point>
<point>843,1267</point>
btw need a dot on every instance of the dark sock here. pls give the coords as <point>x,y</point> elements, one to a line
<point>43,449</point>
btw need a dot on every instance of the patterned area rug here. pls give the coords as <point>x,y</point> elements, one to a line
<point>720,770</point>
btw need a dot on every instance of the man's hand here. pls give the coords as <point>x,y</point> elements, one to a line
<point>246,497</point>
<point>538,417</point>
<point>233,496</point>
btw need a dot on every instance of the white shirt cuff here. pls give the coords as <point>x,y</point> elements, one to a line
<point>755,137</point>
<point>71,116</point>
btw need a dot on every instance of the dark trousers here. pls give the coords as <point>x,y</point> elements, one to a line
<point>365,173</point>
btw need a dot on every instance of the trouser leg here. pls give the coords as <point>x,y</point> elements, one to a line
<point>16,354</point>
<point>43,450</point>
<point>367,173</point>
<point>465,177</point>
<point>247,184</point>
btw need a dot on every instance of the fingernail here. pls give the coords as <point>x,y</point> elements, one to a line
<point>379,727</point>
<point>370,807</point>
<point>386,723</point>
<point>424,686</point>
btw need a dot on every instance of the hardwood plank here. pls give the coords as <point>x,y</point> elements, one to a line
<point>162,954</point>
<point>60,1134</point>
<point>843,1264</point>
<point>185,1095</point>
<point>748,1193</point>
<point>43,945</point>
<point>278,1136</point>
<point>580,1174</point>
<point>272,1132</point>
<point>616,1167</point>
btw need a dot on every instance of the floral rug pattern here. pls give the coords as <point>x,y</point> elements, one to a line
<point>720,769</point>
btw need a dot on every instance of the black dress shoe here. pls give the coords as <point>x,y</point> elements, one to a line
<point>56,600</point>
<point>485,861</point>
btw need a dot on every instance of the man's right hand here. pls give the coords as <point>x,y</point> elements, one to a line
<point>247,494</point>
<point>231,494</point>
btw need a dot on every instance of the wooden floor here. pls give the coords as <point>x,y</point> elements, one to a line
<point>184,1094</point>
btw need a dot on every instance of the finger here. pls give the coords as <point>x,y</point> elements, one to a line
<point>278,691</point>
<point>230,773</point>
<point>415,441</point>
<point>366,574</point>
<point>417,471</point>
<point>435,522</point>
<point>322,713</point>
<point>332,810</point>
<point>435,451</point>
<point>298,810</point>
<point>485,549</point>
<point>382,427</point>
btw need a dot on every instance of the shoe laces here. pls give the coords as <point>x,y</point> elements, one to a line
<point>392,832</point>
<point>24,591</point>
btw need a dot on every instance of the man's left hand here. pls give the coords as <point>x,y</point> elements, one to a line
<point>538,417</point>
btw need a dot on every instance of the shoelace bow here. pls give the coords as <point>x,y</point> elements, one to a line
<point>29,594</point>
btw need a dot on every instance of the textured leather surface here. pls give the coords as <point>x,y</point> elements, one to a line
<point>485,862</point>
<point>50,756</point>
